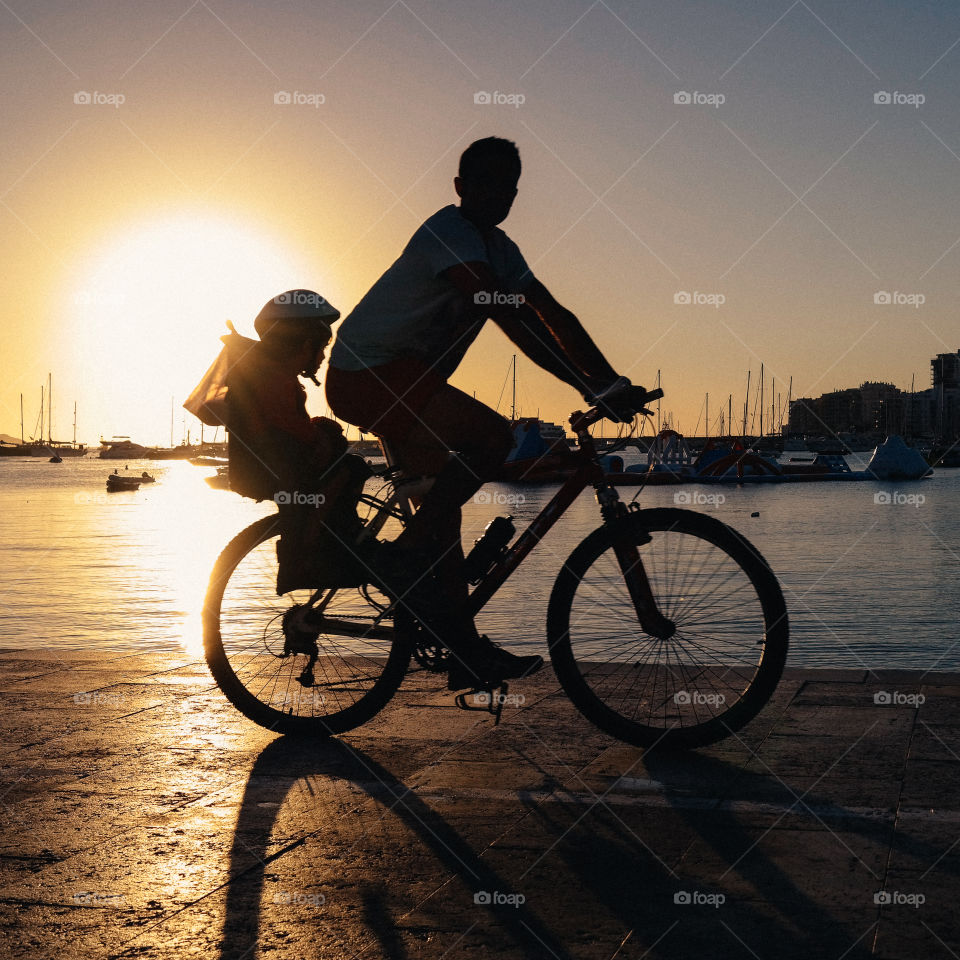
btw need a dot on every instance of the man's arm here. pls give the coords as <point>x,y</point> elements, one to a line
<point>545,331</point>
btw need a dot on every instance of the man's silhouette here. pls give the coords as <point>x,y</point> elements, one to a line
<point>388,375</point>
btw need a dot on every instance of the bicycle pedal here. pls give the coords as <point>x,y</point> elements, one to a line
<point>486,699</point>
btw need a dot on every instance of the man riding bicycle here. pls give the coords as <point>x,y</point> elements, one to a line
<point>388,375</point>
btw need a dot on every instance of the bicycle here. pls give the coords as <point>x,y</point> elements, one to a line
<point>664,626</point>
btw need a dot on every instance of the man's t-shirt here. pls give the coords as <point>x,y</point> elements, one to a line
<point>413,311</point>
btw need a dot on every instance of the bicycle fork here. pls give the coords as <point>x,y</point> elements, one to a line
<point>616,515</point>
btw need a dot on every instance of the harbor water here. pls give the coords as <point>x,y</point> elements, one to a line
<point>869,570</point>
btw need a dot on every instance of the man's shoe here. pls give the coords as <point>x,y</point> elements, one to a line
<point>488,664</point>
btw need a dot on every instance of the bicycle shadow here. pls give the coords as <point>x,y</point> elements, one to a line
<point>604,859</point>
<point>291,763</point>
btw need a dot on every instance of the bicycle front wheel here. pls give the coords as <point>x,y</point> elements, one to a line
<point>715,672</point>
<point>317,682</point>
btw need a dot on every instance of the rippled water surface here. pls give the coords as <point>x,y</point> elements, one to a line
<point>867,583</point>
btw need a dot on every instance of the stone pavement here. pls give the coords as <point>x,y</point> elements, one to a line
<point>143,817</point>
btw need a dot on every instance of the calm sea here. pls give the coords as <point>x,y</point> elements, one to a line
<point>867,584</point>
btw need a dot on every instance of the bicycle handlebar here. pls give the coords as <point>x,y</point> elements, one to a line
<point>621,402</point>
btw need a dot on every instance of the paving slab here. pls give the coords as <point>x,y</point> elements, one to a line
<point>142,816</point>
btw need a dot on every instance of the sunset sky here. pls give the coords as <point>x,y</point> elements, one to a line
<point>183,194</point>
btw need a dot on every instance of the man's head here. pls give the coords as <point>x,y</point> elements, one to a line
<point>295,327</point>
<point>487,181</point>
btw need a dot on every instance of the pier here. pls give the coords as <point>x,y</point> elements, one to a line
<point>144,817</point>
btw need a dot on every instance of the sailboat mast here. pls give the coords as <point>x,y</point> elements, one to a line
<point>746,404</point>
<point>21,418</point>
<point>74,422</point>
<point>708,416</point>
<point>761,400</point>
<point>513,401</point>
<point>49,407</point>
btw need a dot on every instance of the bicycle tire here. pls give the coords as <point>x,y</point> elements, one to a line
<point>659,706</point>
<point>360,661</point>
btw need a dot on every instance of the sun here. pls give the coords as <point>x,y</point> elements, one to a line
<point>147,310</point>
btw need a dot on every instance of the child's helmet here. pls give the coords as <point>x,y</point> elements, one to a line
<point>296,313</point>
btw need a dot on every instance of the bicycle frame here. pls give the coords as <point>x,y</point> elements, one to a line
<point>588,473</point>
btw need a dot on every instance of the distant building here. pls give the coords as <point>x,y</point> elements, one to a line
<point>882,408</point>
<point>945,398</point>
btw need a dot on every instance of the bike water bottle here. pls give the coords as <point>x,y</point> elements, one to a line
<point>488,548</point>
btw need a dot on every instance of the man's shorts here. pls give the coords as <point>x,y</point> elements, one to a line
<point>385,400</point>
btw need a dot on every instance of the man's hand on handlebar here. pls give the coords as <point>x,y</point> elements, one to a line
<point>621,400</point>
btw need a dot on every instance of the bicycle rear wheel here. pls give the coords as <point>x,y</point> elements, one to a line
<point>713,675</point>
<point>337,676</point>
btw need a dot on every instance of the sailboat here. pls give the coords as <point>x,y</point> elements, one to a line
<point>540,453</point>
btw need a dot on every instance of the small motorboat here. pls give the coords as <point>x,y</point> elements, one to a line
<point>56,458</point>
<point>146,478</point>
<point>116,483</point>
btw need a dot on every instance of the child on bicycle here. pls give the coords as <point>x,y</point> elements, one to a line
<point>278,451</point>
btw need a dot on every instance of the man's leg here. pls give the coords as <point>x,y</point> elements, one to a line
<point>452,420</point>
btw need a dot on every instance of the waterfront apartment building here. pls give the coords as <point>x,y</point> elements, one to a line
<point>882,408</point>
